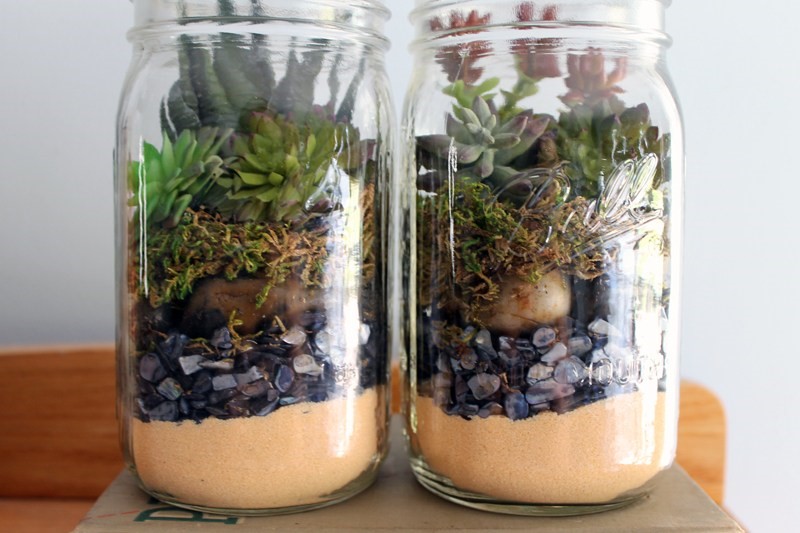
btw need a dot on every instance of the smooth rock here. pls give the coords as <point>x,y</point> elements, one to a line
<point>484,385</point>
<point>580,345</point>
<point>263,406</point>
<point>570,371</point>
<point>214,300</point>
<point>555,354</point>
<point>151,369</point>
<point>539,373</point>
<point>543,338</point>
<point>516,406</point>
<point>483,343</point>
<point>522,306</point>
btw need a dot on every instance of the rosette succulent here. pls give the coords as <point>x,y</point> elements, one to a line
<point>482,143</point>
<point>286,168</point>
<point>182,174</point>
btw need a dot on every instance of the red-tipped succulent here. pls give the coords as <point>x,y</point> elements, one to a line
<point>536,57</point>
<point>588,82</point>
<point>459,60</point>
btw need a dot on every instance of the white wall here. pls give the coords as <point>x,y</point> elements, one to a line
<point>737,69</point>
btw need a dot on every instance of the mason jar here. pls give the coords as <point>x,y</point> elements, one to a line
<point>544,182</point>
<point>252,168</point>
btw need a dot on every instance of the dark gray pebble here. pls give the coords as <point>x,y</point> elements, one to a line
<point>516,406</point>
<point>165,412</point>
<point>223,382</point>
<point>151,369</point>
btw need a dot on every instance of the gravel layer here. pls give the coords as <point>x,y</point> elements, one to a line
<point>590,455</point>
<point>294,456</point>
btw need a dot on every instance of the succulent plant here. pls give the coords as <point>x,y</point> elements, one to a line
<point>458,61</point>
<point>588,82</point>
<point>482,142</point>
<point>285,168</point>
<point>596,139</point>
<point>166,182</point>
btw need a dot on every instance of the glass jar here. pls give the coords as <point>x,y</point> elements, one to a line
<point>252,168</point>
<point>544,166</point>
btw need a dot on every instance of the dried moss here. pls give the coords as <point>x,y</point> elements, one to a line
<point>203,245</point>
<point>464,263</point>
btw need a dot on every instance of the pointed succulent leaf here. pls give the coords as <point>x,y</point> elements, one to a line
<point>253,179</point>
<point>505,140</point>
<point>458,131</point>
<point>485,165</point>
<point>469,154</point>
<point>482,110</point>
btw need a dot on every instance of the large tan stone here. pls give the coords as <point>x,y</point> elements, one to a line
<point>214,300</point>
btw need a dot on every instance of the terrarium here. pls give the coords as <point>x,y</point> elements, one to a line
<point>544,208</point>
<point>252,178</point>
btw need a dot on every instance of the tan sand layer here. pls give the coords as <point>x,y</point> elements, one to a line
<point>591,455</point>
<point>294,456</point>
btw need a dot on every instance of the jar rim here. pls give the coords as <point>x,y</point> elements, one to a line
<point>366,17</point>
<point>645,16</point>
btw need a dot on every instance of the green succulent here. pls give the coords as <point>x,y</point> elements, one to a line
<point>596,139</point>
<point>482,143</point>
<point>285,168</point>
<point>166,182</point>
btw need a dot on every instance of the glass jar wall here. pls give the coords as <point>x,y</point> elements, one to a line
<point>252,170</point>
<point>544,176</point>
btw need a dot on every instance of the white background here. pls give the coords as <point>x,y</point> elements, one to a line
<point>737,68</point>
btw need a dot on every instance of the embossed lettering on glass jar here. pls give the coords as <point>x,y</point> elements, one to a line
<point>252,175</point>
<point>545,168</point>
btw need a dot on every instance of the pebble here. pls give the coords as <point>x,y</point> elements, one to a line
<point>547,391</point>
<point>190,364</point>
<point>483,343</point>
<point>313,321</point>
<point>580,345</point>
<point>294,337</point>
<point>538,373</point>
<point>603,328</point>
<point>570,371</point>
<point>151,369</point>
<point>543,338</point>
<point>516,406</point>
<point>490,409</point>
<point>222,364</point>
<point>258,389</point>
<point>252,374</point>
<point>170,389</point>
<point>284,378</point>
<point>165,412</point>
<point>202,383</point>
<point>469,360</point>
<point>223,382</point>
<point>484,385</point>
<point>556,353</point>
<point>306,364</point>
<point>221,339</point>
<point>363,334</point>
<point>263,406</point>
